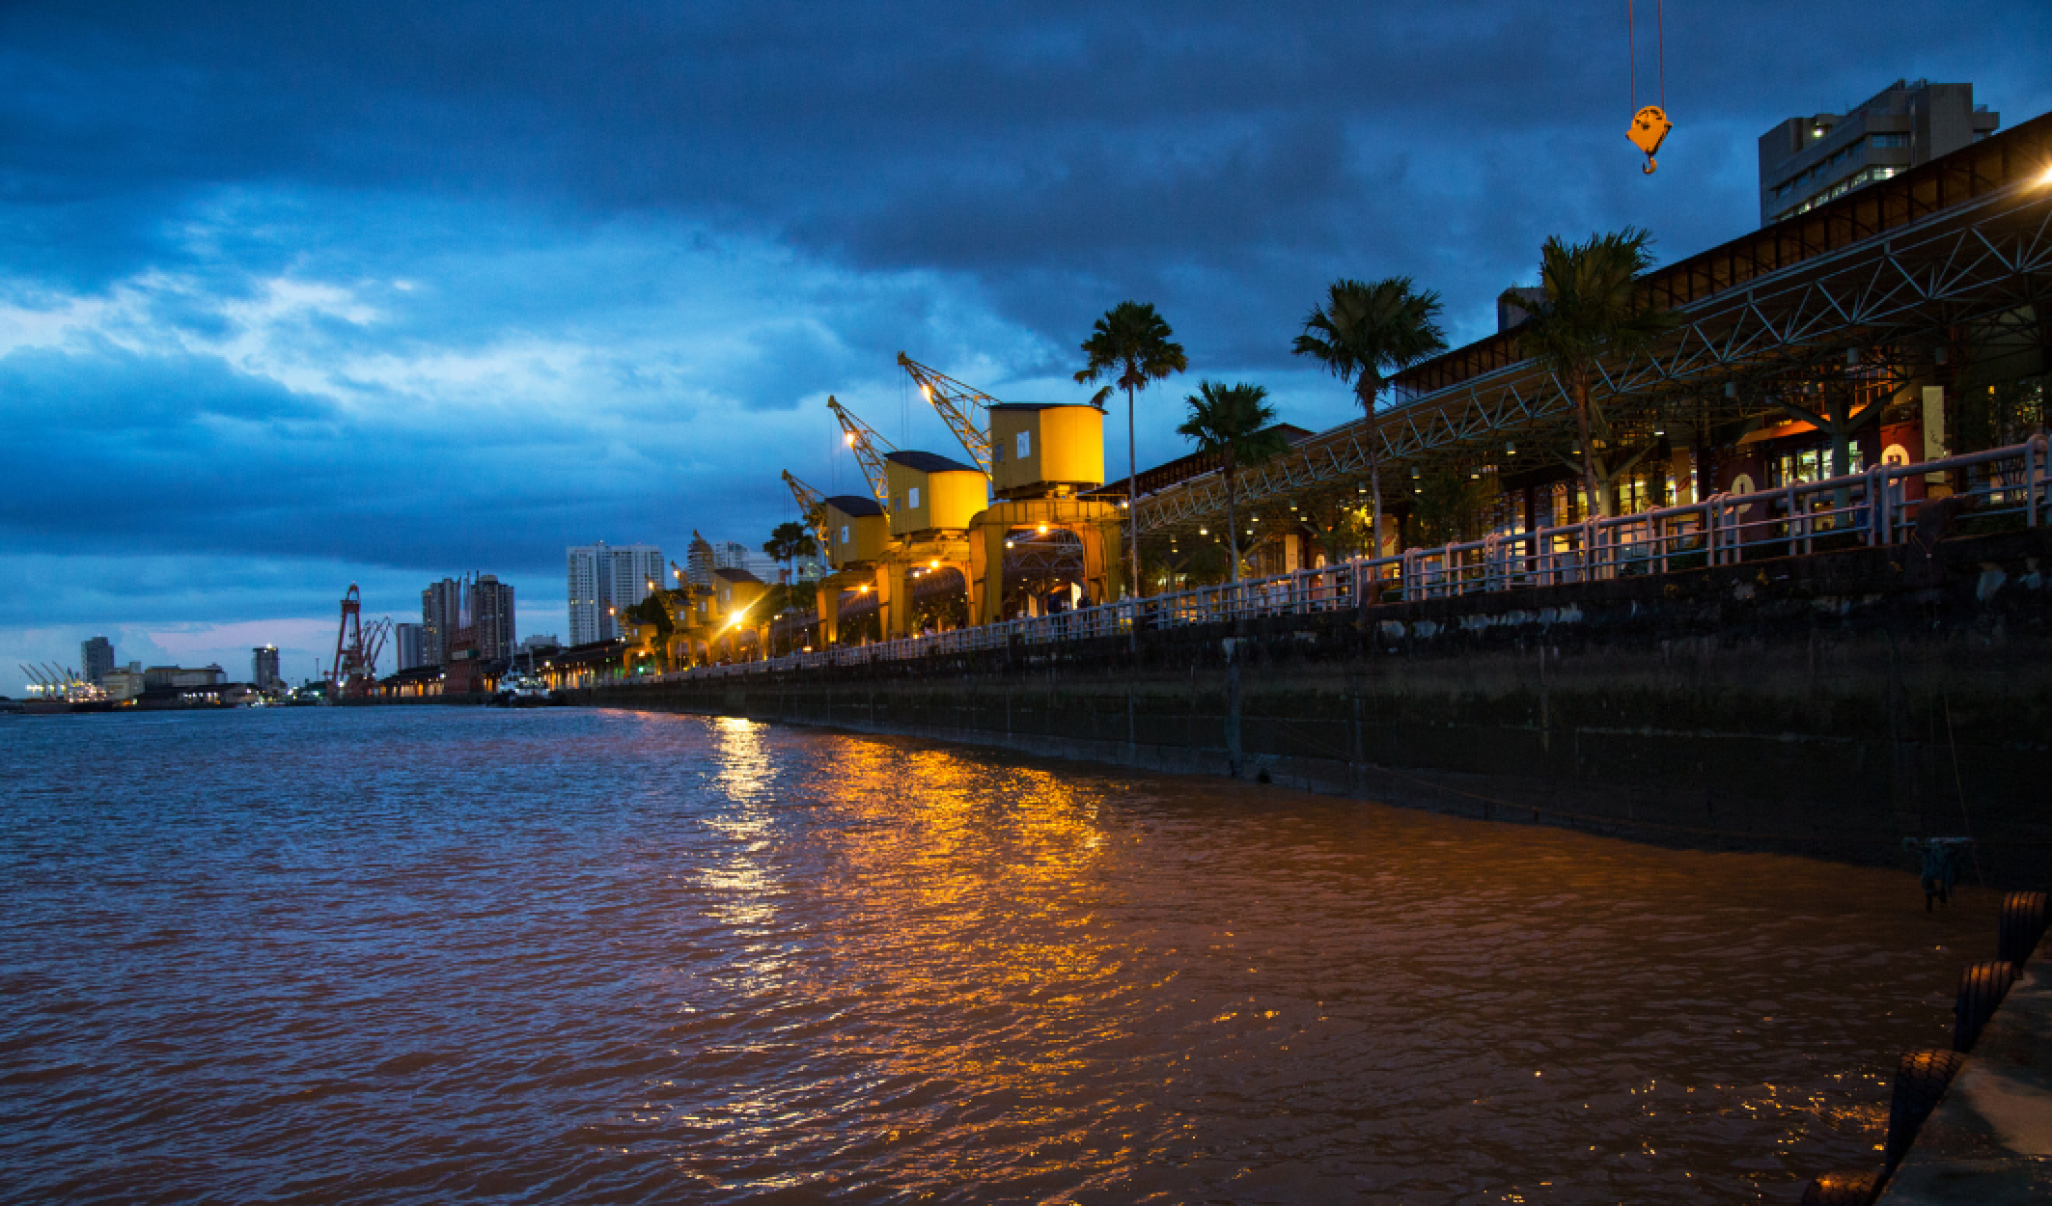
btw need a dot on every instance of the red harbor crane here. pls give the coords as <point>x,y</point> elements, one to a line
<point>355,669</point>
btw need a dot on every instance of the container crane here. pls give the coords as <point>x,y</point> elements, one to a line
<point>964,408</point>
<point>864,440</point>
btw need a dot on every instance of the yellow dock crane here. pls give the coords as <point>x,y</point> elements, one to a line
<point>851,570</point>
<point>864,440</point>
<point>964,408</point>
<point>927,502</point>
<point>811,508</point>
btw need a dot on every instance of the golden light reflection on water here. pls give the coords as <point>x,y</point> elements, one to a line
<point>1102,979</point>
<point>680,959</point>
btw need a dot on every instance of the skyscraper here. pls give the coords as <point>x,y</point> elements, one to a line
<point>263,668</point>
<point>699,561</point>
<point>602,579</point>
<point>491,617</point>
<point>441,614</point>
<point>407,638</point>
<point>96,657</point>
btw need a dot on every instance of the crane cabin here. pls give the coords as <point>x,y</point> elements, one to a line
<point>930,493</point>
<point>858,532</point>
<point>1045,449</point>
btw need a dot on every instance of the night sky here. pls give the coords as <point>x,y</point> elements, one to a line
<point>384,293</point>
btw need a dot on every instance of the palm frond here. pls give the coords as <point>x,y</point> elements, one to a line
<point>1372,330</point>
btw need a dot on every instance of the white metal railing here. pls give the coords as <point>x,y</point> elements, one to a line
<point>1871,508</point>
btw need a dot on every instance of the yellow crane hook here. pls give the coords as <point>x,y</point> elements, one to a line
<point>1649,129</point>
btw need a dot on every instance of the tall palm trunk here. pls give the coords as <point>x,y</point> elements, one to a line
<point>1232,520</point>
<point>1592,486</point>
<point>1132,517</point>
<point>1366,390</point>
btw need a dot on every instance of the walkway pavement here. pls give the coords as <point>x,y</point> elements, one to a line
<point>1989,1142</point>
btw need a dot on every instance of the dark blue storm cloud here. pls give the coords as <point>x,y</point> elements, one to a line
<point>290,293</point>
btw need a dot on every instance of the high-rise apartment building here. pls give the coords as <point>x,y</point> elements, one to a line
<point>732,554</point>
<point>263,669</point>
<point>441,615</point>
<point>700,561</point>
<point>603,579</point>
<point>406,642</point>
<point>1806,161</point>
<point>491,617</point>
<point>96,658</point>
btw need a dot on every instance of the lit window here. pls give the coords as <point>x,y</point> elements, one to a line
<point>912,497</point>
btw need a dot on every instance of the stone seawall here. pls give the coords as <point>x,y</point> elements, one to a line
<point>1831,705</point>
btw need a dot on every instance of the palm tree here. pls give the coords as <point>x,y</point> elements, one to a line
<point>1366,333</point>
<point>1133,342</point>
<point>788,542</point>
<point>1590,306</point>
<point>1236,422</point>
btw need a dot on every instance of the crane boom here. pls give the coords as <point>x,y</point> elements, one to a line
<point>863,440</point>
<point>964,408</point>
<point>811,505</point>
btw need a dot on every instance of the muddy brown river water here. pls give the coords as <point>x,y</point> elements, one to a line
<point>417,955</point>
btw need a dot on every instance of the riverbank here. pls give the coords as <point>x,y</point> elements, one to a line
<point>1834,705</point>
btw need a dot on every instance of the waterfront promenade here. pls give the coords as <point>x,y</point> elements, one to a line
<point>1832,704</point>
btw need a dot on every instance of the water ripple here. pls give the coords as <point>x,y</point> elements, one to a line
<point>418,955</point>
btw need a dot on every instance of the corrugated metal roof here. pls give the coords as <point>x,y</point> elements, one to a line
<point>854,504</point>
<point>929,462</point>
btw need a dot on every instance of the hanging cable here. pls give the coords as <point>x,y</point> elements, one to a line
<point>1649,124</point>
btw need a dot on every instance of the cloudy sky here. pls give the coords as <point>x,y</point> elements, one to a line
<point>295,295</point>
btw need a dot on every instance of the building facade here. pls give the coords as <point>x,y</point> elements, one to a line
<point>603,579</point>
<point>1807,161</point>
<point>96,659</point>
<point>407,646</point>
<point>441,615</point>
<point>123,684</point>
<point>263,669</point>
<point>491,617</point>
<point>157,677</point>
<point>700,561</point>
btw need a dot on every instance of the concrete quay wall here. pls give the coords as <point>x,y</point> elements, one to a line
<point>1830,705</point>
